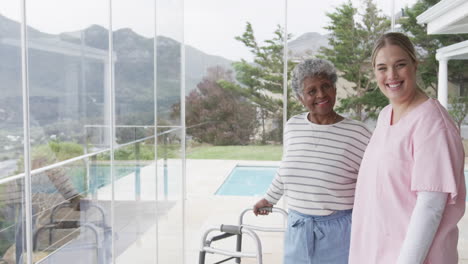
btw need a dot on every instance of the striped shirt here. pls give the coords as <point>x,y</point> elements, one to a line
<point>318,172</point>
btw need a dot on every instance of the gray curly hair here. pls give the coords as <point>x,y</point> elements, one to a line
<point>312,68</point>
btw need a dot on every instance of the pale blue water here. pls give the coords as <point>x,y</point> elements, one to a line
<point>254,181</point>
<point>247,181</point>
<point>98,178</point>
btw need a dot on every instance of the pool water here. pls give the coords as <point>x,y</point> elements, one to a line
<point>255,180</point>
<point>98,178</point>
<point>247,181</point>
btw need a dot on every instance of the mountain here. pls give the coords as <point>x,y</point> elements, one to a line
<point>67,72</point>
<point>11,29</point>
<point>307,45</point>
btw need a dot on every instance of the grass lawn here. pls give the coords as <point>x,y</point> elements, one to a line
<point>253,152</point>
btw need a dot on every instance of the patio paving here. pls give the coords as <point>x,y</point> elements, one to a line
<point>205,209</point>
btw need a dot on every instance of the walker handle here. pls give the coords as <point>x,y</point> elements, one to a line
<point>267,208</point>
<point>231,229</point>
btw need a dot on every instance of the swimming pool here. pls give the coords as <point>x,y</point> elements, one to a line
<point>254,181</point>
<point>247,181</point>
<point>99,176</point>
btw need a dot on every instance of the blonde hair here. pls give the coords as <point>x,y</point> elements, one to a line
<point>397,39</point>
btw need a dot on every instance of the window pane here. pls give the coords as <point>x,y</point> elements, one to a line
<point>12,237</point>
<point>135,190</point>
<point>68,75</point>
<point>11,99</point>
<point>12,231</point>
<point>169,29</point>
<point>69,117</point>
<point>233,102</point>
<point>170,213</point>
<point>71,208</point>
<point>135,203</point>
<point>245,108</point>
<point>168,44</point>
<point>133,24</point>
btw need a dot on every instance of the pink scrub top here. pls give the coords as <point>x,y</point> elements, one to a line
<point>422,152</point>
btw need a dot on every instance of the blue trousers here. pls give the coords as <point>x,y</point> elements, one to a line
<point>312,239</point>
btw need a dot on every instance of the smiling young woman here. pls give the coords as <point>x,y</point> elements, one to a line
<point>410,192</point>
<point>395,73</point>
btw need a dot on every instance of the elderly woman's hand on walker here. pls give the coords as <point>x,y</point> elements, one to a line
<point>260,204</point>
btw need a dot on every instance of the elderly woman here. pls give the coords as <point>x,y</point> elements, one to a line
<point>317,175</point>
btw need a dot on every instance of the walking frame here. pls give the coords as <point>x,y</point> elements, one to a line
<point>238,231</point>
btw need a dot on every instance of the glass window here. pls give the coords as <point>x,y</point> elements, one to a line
<point>170,164</point>
<point>12,217</point>
<point>69,70</point>
<point>134,170</point>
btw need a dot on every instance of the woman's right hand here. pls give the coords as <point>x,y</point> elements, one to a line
<point>260,204</point>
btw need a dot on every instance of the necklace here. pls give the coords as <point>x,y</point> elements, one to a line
<point>334,119</point>
<point>316,140</point>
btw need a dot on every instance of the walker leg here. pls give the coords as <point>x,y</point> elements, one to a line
<point>201,257</point>
<point>239,247</point>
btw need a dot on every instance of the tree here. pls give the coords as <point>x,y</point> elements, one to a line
<point>427,46</point>
<point>458,109</point>
<point>262,81</point>
<point>218,116</point>
<point>352,36</point>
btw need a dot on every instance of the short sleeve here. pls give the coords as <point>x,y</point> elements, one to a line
<point>438,164</point>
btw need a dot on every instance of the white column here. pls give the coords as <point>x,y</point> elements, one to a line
<point>107,101</point>
<point>442,86</point>
<point>27,205</point>
<point>285,70</point>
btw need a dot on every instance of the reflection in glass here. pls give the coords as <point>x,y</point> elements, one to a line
<point>12,237</point>
<point>68,79</point>
<point>69,73</point>
<point>11,100</point>
<point>12,234</point>
<point>134,202</point>
<point>170,163</point>
<point>170,215</point>
<point>71,213</point>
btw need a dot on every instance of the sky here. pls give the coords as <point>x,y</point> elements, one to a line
<point>210,25</point>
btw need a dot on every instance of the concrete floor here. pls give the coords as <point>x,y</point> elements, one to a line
<point>204,209</point>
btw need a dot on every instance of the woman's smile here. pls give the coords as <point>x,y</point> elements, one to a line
<point>322,102</point>
<point>394,86</point>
